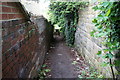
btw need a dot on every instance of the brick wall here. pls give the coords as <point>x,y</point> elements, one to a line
<point>86,45</point>
<point>24,43</point>
<point>10,10</point>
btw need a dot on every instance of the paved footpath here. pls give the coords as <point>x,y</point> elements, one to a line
<point>59,60</point>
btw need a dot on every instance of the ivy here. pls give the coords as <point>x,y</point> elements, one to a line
<point>65,15</point>
<point>107,26</point>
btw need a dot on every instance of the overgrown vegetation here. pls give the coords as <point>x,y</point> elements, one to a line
<point>65,15</point>
<point>92,73</point>
<point>43,72</point>
<point>107,26</point>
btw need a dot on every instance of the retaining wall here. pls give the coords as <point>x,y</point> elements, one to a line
<point>24,43</point>
<point>86,45</point>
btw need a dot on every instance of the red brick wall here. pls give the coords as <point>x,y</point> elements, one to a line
<point>10,10</point>
<point>19,46</point>
<point>22,52</point>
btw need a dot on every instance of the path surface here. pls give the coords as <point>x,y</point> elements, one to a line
<point>60,60</point>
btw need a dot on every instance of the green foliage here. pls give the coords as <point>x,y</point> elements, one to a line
<point>91,74</point>
<point>43,72</point>
<point>107,26</point>
<point>65,15</point>
<point>74,62</point>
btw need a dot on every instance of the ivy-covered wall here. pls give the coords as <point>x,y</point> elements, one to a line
<point>65,16</point>
<point>89,46</point>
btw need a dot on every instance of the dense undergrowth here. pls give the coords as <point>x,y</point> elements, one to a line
<point>65,15</point>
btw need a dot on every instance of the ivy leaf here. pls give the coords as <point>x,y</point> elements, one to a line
<point>105,4</point>
<point>100,34</point>
<point>104,64</point>
<point>108,55</point>
<point>99,53</point>
<point>92,33</point>
<point>106,50</point>
<point>109,44</point>
<point>95,8</point>
<point>104,57</point>
<point>47,70</point>
<point>94,20</point>
<point>44,65</point>
<point>108,12</point>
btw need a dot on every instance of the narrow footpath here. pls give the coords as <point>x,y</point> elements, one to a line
<point>63,61</point>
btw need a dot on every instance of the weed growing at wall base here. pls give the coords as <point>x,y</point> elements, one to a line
<point>43,72</point>
<point>91,73</point>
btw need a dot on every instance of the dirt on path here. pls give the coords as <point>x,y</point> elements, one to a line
<point>61,60</point>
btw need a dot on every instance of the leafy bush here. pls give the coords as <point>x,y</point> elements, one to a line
<point>65,15</point>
